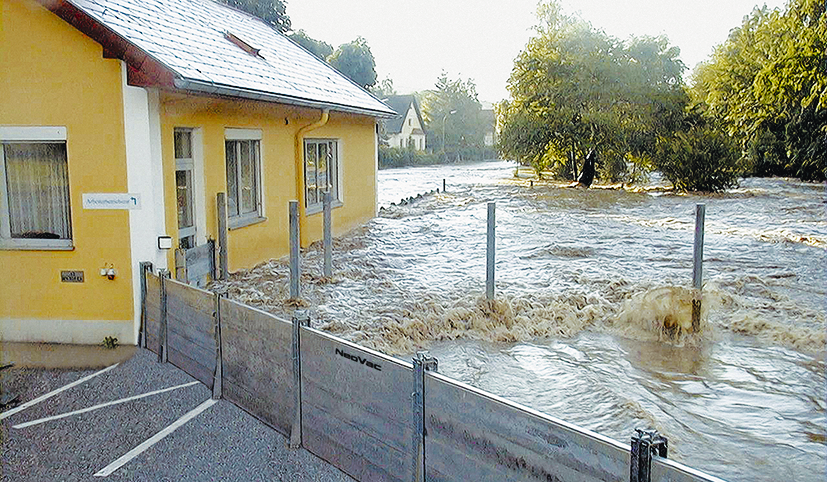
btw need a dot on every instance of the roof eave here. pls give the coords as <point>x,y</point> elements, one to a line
<point>210,88</point>
<point>143,68</point>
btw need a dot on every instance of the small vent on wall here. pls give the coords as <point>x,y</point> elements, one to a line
<point>242,44</point>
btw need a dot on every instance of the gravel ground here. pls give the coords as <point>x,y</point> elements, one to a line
<point>222,443</point>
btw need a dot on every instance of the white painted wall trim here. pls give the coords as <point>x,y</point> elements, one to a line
<point>236,134</point>
<point>144,167</point>
<point>200,193</point>
<point>80,332</point>
<point>32,133</point>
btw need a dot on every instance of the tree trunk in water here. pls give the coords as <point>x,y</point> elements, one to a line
<point>587,173</point>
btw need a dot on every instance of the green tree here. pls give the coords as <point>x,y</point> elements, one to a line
<point>575,89</point>
<point>452,109</point>
<point>383,88</point>
<point>273,12</point>
<point>767,85</point>
<point>697,156</point>
<point>356,62</point>
<point>318,48</point>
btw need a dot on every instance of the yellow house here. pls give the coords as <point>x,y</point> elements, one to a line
<point>121,121</point>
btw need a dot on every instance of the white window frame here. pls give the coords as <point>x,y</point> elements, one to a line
<point>240,220</point>
<point>337,201</point>
<point>33,134</point>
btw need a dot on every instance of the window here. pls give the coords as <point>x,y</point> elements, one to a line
<point>184,179</point>
<point>34,188</point>
<point>321,172</point>
<point>243,148</point>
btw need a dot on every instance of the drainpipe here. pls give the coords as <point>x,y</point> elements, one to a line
<point>300,193</point>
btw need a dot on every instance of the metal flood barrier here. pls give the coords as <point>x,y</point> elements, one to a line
<point>375,417</point>
<point>196,265</point>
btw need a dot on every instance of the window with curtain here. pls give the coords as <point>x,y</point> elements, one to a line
<point>35,192</point>
<point>243,181</point>
<point>321,172</point>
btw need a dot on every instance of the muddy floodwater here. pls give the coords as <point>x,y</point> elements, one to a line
<point>586,282</point>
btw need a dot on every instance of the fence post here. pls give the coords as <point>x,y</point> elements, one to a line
<point>221,209</point>
<point>211,242</point>
<point>217,385</point>
<point>421,363</point>
<point>143,268</point>
<point>328,237</point>
<point>163,274</point>
<point>698,266</point>
<point>490,252</point>
<point>300,318</point>
<point>295,269</point>
<point>644,445</point>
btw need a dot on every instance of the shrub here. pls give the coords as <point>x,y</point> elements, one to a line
<point>701,158</point>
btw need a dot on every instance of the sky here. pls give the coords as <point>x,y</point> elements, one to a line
<point>413,41</point>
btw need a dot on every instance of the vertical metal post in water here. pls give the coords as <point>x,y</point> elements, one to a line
<point>328,237</point>
<point>443,185</point>
<point>489,271</point>
<point>697,267</point>
<point>295,269</point>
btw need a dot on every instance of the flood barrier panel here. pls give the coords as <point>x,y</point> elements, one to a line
<point>473,435</point>
<point>152,312</point>
<point>257,363</point>
<point>191,330</point>
<point>357,405</point>
<point>356,408</point>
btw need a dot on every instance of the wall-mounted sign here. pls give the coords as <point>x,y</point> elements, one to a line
<point>111,200</point>
<point>74,276</point>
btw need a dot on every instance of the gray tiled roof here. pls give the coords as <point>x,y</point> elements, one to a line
<point>187,36</point>
<point>400,104</point>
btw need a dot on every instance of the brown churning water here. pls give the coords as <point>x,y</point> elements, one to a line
<point>592,319</point>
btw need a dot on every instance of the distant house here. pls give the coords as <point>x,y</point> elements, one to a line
<point>408,128</point>
<point>122,121</point>
<point>489,119</point>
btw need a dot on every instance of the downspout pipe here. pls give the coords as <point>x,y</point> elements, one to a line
<point>299,158</point>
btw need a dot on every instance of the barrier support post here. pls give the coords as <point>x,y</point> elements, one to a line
<point>645,444</point>
<point>328,237</point>
<point>490,252</point>
<point>163,274</point>
<point>144,267</point>
<point>217,385</point>
<point>295,269</point>
<point>421,363</point>
<point>300,318</point>
<point>221,209</point>
<point>698,266</point>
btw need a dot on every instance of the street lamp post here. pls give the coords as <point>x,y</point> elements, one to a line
<point>444,118</point>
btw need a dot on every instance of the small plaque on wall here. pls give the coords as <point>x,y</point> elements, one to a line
<point>71,276</point>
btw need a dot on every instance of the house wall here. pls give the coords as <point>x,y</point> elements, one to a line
<point>253,244</point>
<point>53,75</point>
<point>410,123</point>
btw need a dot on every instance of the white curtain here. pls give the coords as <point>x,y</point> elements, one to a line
<point>37,182</point>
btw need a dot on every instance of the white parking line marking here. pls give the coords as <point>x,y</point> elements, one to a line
<point>102,405</point>
<point>51,394</point>
<point>104,472</point>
